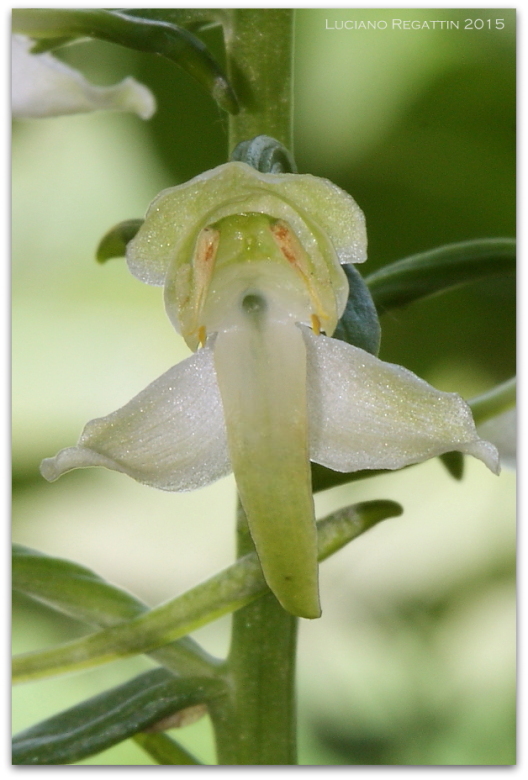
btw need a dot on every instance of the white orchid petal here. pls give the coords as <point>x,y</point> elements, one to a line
<point>367,414</point>
<point>170,436</point>
<point>261,370</point>
<point>44,86</point>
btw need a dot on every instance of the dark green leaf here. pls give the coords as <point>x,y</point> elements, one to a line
<point>359,324</point>
<point>111,717</point>
<point>114,243</point>
<point>324,478</point>
<point>400,283</point>
<point>195,19</point>
<point>454,463</point>
<point>147,35</point>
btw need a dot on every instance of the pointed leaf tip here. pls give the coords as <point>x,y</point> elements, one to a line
<point>114,242</point>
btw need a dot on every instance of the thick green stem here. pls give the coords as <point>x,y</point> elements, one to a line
<point>259,45</point>
<point>260,726</point>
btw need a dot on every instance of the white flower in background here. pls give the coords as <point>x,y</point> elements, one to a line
<point>44,86</point>
<point>250,263</point>
<point>501,430</point>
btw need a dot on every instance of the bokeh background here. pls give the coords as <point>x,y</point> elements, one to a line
<point>413,661</point>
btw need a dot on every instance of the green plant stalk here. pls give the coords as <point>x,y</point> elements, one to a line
<point>258,725</point>
<point>259,47</point>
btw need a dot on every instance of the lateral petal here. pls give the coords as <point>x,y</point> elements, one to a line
<point>171,436</point>
<point>368,414</point>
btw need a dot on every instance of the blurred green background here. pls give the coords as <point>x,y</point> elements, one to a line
<point>413,661</point>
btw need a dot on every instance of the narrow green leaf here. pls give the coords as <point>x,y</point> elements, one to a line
<point>83,595</point>
<point>418,276</point>
<point>164,750</point>
<point>194,19</point>
<point>111,717</point>
<point>339,528</point>
<point>148,35</point>
<point>224,593</point>
<point>71,588</point>
<point>114,243</point>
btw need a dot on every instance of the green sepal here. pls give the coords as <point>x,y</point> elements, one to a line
<point>226,592</point>
<point>164,750</point>
<point>147,35</point>
<point>111,717</point>
<point>454,463</point>
<point>114,242</point>
<point>359,324</point>
<point>421,275</point>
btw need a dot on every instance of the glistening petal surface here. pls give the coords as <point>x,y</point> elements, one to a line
<point>367,414</point>
<point>44,86</point>
<point>171,436</point>
<point>325,218</point>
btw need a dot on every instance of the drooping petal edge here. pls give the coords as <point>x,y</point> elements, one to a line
<point>368,414</point>
<point>502,431</point>
<point>170,436</point>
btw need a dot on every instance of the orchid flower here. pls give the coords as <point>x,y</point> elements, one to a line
<point>44,86</point>
<point>251,266</point>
